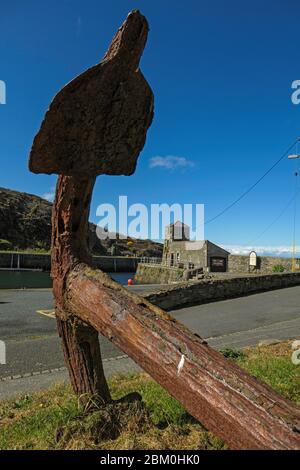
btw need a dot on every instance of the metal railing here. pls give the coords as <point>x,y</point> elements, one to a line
<point>148,260</point>
<point>166,263</point>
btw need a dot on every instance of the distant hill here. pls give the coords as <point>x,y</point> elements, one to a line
<point>25,224</point>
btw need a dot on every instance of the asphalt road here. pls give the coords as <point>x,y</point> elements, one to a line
<point>33,349</point>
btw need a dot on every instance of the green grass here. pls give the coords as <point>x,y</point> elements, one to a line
<point>33,251</point>
<point>55,419</point>
<point>274,366</point>
<point>30,422</point>
<point>278,268</point>
<point>163,409</point>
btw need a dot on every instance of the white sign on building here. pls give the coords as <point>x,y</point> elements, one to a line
<point>253,259</point>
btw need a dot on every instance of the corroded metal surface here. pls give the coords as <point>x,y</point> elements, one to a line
<point>97,124</point>
<point>237,407</point>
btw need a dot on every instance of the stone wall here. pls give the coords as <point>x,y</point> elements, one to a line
<point>240,264</point>
<point>198,252</point>
<point>197,256</point>
<point>186,294</point>
<point>157,274</point>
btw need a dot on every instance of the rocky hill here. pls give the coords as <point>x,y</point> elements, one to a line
<point>25,224</point>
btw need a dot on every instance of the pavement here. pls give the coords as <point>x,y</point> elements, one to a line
<point>33,352</point>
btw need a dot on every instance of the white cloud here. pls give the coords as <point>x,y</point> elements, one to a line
<point>280,251</point>
<point>79,24</point>
<point>49,196</point>
<point>170,162</point>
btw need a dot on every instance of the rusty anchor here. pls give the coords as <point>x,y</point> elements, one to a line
<point>96,125</point>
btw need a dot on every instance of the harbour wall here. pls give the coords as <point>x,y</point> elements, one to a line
<point>9,260</point>
<point>196,293</point>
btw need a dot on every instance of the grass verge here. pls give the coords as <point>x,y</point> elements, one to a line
<point>55,420</point>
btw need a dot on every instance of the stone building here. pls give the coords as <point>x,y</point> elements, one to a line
<point>180,251</point>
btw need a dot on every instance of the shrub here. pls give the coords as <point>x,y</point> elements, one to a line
<point>278,268</point>
<point>231,353</point>
<point>5,245</point>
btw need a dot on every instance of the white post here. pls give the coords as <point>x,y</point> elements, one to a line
<point>2,352</point>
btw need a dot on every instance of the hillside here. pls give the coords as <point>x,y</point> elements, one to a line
<point>25,224</point>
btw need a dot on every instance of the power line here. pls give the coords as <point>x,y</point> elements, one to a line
<point>276,219</point>
<point>253,185</point>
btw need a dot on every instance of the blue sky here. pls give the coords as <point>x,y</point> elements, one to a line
<point>221,72</point>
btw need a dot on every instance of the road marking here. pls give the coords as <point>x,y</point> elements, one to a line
<point>47,313</point>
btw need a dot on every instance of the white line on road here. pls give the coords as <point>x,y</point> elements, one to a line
<point>283,325</point>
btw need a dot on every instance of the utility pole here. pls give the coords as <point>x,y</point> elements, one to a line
<point>294,157</point>
<point>294,224</point>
